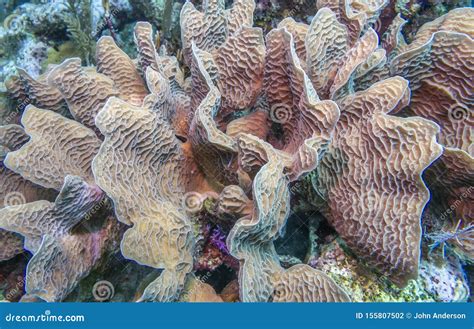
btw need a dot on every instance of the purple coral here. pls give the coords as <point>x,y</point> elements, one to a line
<point>217,239</point>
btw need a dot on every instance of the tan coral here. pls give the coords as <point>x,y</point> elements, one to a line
<point>233,202</point>
<point>150,196</point>
<point>69,149</point>
<point>393,41</point>
<point>439,65</point>
<point>240,62</point>
<point>209,29</point>
<point>331,60</point>
<point>326,43</point>
<point>299,32</point>
<point>47,227</point>
<point>236,68</point>
<point>197,291</point>
<point>302,283</point>
<point>84,90</point>
<point>356,56</point>
<point>147,55</point>
<point>459,20</point>
<point>115,64</point>
<point>13,136</point>
<point>442,68</point>
<point>354,21</point>
<point>14,189</point>
<point>256,123</point>
<point>208,137</point>
<point>170,100</point>
<point>213,150</point>
<point>434,102</point>
<point>261,277</point>
<point>306,121</point>
<point>371,178</point>
<point>57,147</point>
<point>38,92</point>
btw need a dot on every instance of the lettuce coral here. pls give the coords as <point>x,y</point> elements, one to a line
<point>224,135</point>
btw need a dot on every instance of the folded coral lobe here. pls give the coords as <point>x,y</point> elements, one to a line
<point>57,147</point>
<point>84,90</point>
<point>261,276</point>
<point>62,252</point>
<point>140,165</point>
<point>140,151</point>
<point>306,122</point>
<point>371,178</point>
<point>115,64</point>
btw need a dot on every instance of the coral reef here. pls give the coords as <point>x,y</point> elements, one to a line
<point>441,283</point>
<point>23,36</point>
<point>190,166</point>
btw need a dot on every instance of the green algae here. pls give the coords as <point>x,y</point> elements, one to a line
<point>59,54</point>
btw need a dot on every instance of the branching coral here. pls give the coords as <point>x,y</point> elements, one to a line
<point>326,104</point>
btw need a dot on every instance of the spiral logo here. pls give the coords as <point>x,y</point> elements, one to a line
<point>458,113</point>
<point>281,293</point>
<point>13,199</point>
<point>103,291</point>
<point>13,22</point>
<point>280,113</point>
<point>193,202</point>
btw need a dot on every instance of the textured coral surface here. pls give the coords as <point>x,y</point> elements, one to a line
<point>318,160</point>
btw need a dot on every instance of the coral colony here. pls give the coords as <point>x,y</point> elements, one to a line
<point>194,166</point>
